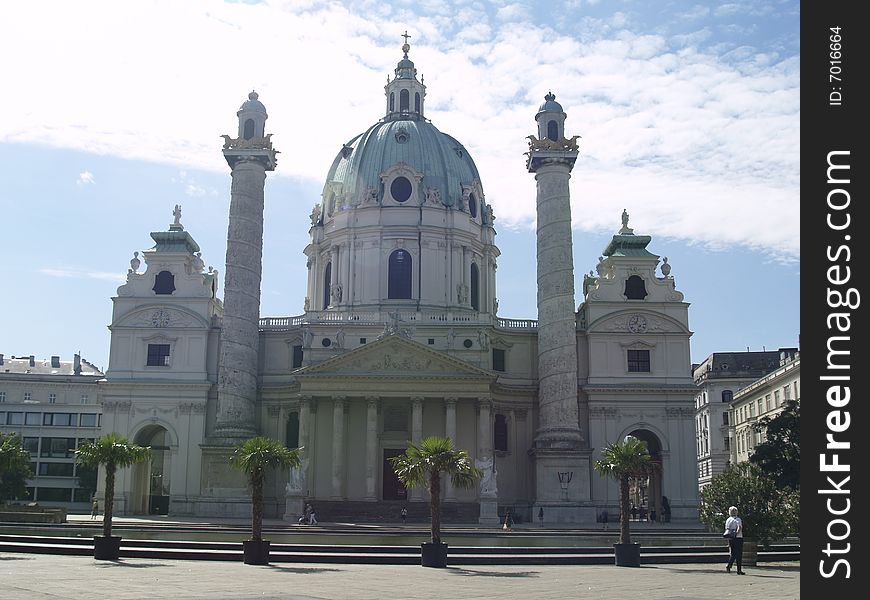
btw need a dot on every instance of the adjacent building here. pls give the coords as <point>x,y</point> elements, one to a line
<point>54,406</point>
<point>763,398</point>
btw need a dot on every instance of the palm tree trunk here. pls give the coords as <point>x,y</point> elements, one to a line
<point>435,505</point>
<point>257,505</point>
<point>624,533</point>
<point>109,501</point>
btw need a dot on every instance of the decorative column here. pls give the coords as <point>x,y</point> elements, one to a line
<point>297,486</point>
<point>450,432</point>
<point>416,494</point>
<point>249,156</point>
<point>338,403</point>
<point>371,447</point>
<point>486,462</point>
<point>560,452</point>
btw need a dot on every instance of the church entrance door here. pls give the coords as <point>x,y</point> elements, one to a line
<point>393,489</point>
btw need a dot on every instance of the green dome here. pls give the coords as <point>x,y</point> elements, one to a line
<point>443,161</point>
<point>252,103</point>
<point>550,104</point>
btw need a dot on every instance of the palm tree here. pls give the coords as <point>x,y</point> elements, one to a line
<point>112,451</point>
<point>623,461</point>
<point>253,457</point>
<point>423,465</point>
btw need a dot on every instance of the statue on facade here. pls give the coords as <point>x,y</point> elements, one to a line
<point>134,263</point>
<point>488,485</point>
<point>315,214</point>
<point>307,338</point>
<point>339,338</point>
<point>177,215</point>
<point>296,483</point>
<point>198,264</point>
<point>666,268</point>
<point>336,293</point>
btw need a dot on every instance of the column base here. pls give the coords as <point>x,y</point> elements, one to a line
<point>488,511</point>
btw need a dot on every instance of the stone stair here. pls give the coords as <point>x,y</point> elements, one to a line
<point>389,511</point>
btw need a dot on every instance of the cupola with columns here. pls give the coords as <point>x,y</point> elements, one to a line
<point>405,94</point>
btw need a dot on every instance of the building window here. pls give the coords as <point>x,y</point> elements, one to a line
<point>392,101</point>
<point>635,288</point>
<point>327,285</point>
<point>472,206</point>
<point>727,445</point>
<point>417,102</point>
<point>786,392</point>
<point>2,396</point>
<point>28,396</point>
<point>249,129</point>
<point>32,418</point>
<point>89,420</point>
<point>767,405</point>
<point>498,361</point>
<point>84,399</point>
<point>553,131</point>
<point>15,418</point>
<point>475,287</point>
<point>727,396</point>
<point>158,355</point>
<point>59,419</point>
<point>404,100</point>
<point>293,430</point>
<point>724,418</point>
<point>52,398</point>
<point>297,357</point>
<point>31,444</point>
<point>164,283</point>
<point>401,189</point>
<point>500,434</point>
<point>56,469</point>
<point>399,277</point>
<point>638,361</point>
<point>57,447</point>
<point>776,398</point>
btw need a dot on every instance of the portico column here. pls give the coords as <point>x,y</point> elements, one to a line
<point>416,494</point>
<point>338,403</point>
<point>304,423</point>
<point>371,446</point>
<point>450,432</point>
<point>484,429</point>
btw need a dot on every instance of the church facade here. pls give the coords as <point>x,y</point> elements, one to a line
<point>400,339</point>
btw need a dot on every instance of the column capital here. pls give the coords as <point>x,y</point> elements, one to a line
<point>484,402</point>
<point>451,401</point>
<point>373,400</point>
<point>417,400</point>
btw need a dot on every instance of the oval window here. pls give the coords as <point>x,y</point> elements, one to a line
<point>400,189</point>
<point>472,206</point>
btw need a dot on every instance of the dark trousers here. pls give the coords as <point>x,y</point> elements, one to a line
<point>735,545</point>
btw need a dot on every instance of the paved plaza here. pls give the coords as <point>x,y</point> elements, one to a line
<point>35,577</point>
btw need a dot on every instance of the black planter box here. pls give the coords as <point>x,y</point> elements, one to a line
<point>107,548</point>
<point>433,555</point>
<point>256,552</point>
<point>627,555</point>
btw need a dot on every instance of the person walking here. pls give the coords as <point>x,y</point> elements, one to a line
<point>404,514</point>
<point>95,508</point>
<point>734,534</point>
<point>312,517</point>
<point>508,521</point>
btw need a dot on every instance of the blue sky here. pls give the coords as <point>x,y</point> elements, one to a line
<point>688,111</point>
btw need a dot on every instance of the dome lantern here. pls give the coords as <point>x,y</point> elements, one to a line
<point>405,94</point>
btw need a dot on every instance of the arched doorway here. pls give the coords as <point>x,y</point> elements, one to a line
<point>647,494</point>
<point>151,480</point>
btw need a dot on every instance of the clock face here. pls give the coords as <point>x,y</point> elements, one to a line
<point>160,318</point>
<point>637,324</point>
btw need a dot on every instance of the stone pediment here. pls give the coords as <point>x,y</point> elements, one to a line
<point>161,316</point>
<point>395,357</point>
<point>636,322</point>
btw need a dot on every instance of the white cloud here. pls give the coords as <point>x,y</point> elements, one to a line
<point>694,140</point>
<point>85,178</point>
